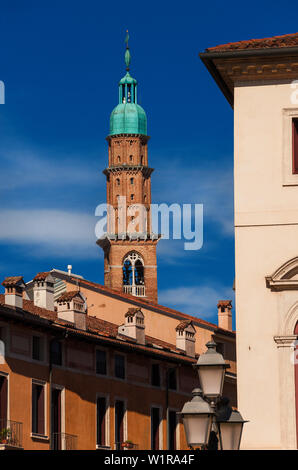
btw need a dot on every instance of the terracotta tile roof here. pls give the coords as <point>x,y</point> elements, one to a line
<point>287,40</point>
<point>143,302</point>
<point>107,331</point>
<point>224,303</point>
<point>184,324</point>
<point>41,276</point>
<point>67,296</point>
<point>13,281</point>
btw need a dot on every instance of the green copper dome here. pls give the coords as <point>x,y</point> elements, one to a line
<point>128,117</point>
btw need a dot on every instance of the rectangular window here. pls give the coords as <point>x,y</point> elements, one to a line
<point>155,422</point>
<point>38,409</point>
<point>119,424</point>
<point>172,430</point>
<point>119,366</point>
<point>56,419</point>
<point>3,401</point>
<point>172,379</point>
<point>37,349</point>
<point>101,362</point>
<point>56,352</point>
<point>101,407</point>
<point>295,146</point>
<point>155,375</point>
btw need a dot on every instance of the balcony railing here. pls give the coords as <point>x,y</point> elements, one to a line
<point>138,291</point>
<point>126,446</point>
<point>63,441</point>
<point>10,433</point>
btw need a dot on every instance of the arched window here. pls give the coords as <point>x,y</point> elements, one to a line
<point>133,274</point>
<point>131,180</point>
<point>117,181</point>
<point>119,159</point>
<point>139,273</point>
<point>127,272</point>
<point>130,158</point>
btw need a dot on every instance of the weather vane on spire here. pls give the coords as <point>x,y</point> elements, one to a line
<point>127,53</point>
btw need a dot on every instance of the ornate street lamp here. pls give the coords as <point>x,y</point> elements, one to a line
<point>230,425</point>
<point>197,418</point>
<point>211,368</point>
<point>208,410</point>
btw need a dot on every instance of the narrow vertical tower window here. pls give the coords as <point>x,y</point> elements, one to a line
<point>129,246</point>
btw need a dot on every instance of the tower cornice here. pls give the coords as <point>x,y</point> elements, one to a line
<point>143,137</point>
<point>133,169</point>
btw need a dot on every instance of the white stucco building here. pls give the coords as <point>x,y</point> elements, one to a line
<point>258,79</point>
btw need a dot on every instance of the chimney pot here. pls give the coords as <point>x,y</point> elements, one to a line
<point>225,314</point>
<point>43,291</point>
<point>134,325</point>
<point>71,307</point>
<point>185,338</point>
<point>14,288</point>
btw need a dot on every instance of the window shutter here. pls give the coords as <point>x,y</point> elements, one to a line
<point>155,421</point>
<point>295,145</point>
<point>101,425</point>
<point>119,412</point>
<point>172,430</point>
<point>40,410</point>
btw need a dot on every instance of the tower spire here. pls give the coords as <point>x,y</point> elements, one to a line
<point>127,52</point>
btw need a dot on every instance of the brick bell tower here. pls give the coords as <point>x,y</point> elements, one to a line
<point>129,245</point>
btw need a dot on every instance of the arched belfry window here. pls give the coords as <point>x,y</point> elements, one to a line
<point>133,275</point>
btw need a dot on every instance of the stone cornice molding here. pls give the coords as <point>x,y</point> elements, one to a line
<point>230,68</point>
<point>281,279</point>
<point>285,341</point>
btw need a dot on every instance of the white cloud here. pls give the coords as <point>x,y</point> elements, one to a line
<point>200,301</point>
<point>24,168</point>
<point>51,232</point>
<point>208,186</point>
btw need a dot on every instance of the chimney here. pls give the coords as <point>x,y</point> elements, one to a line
<point>71,307</point>
<point>225,314</point>
<point>134,326</point>
<point>185,337</point>
<point>69,268</point>
<point>43,291</point>
<point>14,287</point>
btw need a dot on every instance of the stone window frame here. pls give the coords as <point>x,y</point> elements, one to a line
<point>288,177</point>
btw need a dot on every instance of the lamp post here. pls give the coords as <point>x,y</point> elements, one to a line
<point>208,410</point>
<point>197,416</point>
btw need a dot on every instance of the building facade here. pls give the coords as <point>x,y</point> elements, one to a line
<point>72,380</point>
<point>258,79</point>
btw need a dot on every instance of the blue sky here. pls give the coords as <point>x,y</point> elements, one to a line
<point>61,62</point>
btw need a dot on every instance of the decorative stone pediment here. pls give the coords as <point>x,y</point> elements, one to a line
<point>285,277</point>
